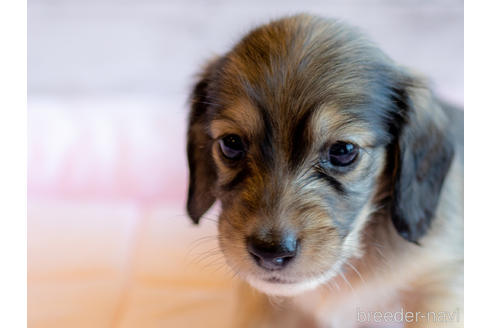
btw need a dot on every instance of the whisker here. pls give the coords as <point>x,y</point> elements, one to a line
<point>208,254</point>
<point>200,241</point>
<point>356,271</point>
<point>215,262</point>
<point>348,282</point>
<point>336,285</point>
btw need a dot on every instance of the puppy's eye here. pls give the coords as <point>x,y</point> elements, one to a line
<point>232,146</point>
<point>342,153</point>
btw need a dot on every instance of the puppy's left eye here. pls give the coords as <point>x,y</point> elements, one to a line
<point>342,153</point>
<point>232,147</point>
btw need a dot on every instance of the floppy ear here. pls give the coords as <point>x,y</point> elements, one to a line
<point>422,154</point>
<point>202,173</point>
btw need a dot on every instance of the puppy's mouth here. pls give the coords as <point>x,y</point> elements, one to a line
<point>279,284</point>
<point>277,280</point>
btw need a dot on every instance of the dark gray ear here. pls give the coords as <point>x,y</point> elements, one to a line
<point>423,152</point>
<point>202,173</point>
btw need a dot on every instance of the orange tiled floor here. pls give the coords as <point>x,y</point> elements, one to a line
<point>121,266</point>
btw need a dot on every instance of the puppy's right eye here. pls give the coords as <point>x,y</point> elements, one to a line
<point>232,147</point>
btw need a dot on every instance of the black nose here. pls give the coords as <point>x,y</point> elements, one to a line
<point>272,253</point>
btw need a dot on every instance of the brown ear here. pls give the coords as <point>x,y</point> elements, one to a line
<point>202,173</point>
<point>422,154</point>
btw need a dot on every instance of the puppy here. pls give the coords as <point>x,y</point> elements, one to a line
<point>340,179</point>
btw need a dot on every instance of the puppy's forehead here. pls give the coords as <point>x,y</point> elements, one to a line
<point>299,62</point>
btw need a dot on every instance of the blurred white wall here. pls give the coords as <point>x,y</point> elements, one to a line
<point>153,48</point>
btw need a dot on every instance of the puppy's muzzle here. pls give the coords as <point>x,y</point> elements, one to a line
<point>273,251</point>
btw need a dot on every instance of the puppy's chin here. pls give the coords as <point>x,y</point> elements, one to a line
<point>283,289</point>
<point>288,289</point>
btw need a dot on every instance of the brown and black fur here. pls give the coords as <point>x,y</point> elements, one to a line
<point>291,89</point>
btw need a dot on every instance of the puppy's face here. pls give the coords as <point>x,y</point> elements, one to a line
<point>295,131</point>
<point>295,190</point>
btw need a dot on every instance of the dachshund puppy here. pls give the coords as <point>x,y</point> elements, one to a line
<point>340,179</point>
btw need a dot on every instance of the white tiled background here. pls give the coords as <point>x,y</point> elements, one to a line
<point>107,87</point>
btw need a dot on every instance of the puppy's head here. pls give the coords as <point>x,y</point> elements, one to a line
<point>301,132</point>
